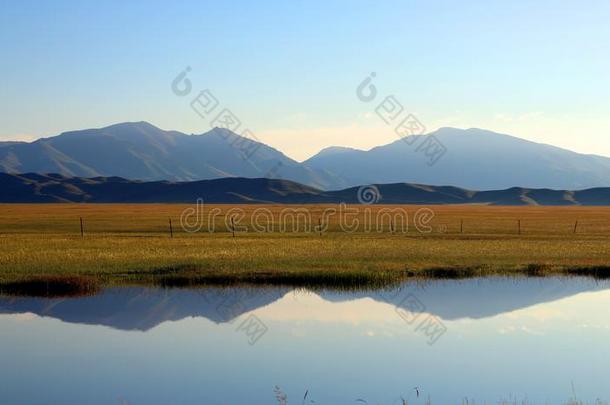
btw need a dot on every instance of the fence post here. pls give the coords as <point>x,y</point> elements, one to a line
<point>461,226</point>
<point>575,226</point>
<point>82,231</point>
<point>519,225</point>
<point>171,229</point>
<point>232,227</point>
<point>320,226</point>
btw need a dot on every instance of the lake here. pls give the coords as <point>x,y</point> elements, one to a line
<point>538,340</point>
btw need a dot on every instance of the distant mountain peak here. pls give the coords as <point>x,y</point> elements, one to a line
<point>334,150</point>
<point>123,126</point>
<point>133,124</point>
<point>464,131</point>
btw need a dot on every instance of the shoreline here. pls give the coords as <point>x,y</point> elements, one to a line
<point>69,285</point>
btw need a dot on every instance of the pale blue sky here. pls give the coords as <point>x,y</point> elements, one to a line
<point>539,70</point>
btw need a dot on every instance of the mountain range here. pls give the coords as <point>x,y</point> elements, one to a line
<point>54,188</point>
<point>474,159</point>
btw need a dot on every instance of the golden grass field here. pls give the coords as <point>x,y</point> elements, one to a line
<point>127,243</point>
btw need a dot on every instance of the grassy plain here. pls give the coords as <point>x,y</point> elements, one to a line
<point>132,243</point>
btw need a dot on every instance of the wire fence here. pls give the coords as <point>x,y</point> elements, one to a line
<point>181,220</point>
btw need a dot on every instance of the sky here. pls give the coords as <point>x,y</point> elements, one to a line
<point>289,70</point>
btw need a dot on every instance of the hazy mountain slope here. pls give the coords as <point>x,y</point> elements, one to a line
<point>8,143</point>
<point>475,159</point>
<point>145,152</point>
<point>24,188</point>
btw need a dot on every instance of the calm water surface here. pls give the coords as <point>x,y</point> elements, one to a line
<point>544,340</point>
